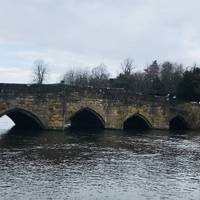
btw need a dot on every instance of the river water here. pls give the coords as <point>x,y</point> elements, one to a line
<point>107,164</point>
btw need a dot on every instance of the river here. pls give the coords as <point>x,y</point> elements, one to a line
<point>100,165</point>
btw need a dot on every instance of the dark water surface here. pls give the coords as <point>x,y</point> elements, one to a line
<point>99,165</point>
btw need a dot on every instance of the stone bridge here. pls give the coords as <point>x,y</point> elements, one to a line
<point>58,106</point>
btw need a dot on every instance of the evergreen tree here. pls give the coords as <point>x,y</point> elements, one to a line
<point>189,87</point>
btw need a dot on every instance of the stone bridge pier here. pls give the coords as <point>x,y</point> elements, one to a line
<point>58,106</point>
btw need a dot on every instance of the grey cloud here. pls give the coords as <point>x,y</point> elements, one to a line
<point>104,31</point>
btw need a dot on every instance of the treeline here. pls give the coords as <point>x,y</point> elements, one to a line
<point>97,77</point>
<point>156,79</point>
<point>165,79</point>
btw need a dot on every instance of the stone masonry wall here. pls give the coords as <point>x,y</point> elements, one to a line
<point>53,105</point>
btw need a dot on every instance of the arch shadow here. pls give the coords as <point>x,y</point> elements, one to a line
<point>137,122</point>
<point>23,119</point>
<point>178,123</point>
<point>86,118</point>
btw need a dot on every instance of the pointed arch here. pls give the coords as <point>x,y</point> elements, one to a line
<point>87,118</point>
<point>23,119</point>
<point>178,123</point>
<point>137,122</point>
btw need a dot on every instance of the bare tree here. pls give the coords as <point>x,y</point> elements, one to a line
<point>99,76</point>
<point>82,78</point>
<point>40,72</point>
<point>127,66</point>
<point>100,72</point>
<point>76,77</point>
<point>69,77</point>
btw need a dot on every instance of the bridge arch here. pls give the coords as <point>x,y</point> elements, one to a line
<point>178,122</point>
<point>137,122</point>
<point>87,118</point>
<point>23,119</point>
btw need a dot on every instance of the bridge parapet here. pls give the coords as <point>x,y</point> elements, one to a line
<point>54,105</point>
<point>114,94</point>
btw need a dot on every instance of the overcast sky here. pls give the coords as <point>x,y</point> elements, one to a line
<point>83,33</point>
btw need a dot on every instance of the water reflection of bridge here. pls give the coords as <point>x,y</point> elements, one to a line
<point>57,106</point>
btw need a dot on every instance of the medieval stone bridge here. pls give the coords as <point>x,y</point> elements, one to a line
<point>58,106</point>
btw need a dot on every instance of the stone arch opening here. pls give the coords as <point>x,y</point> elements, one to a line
<point>87,118</point>
<point>137,122</point>
<point>23,119</point>
<point>178,123</point>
